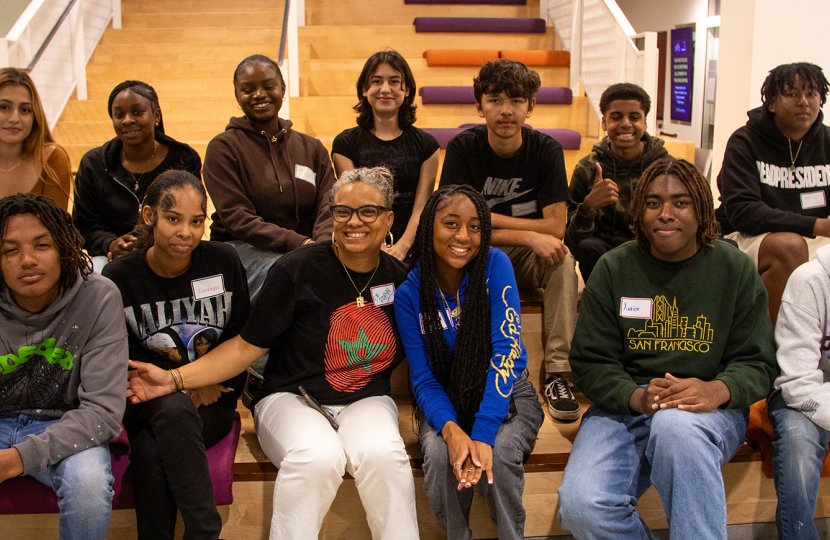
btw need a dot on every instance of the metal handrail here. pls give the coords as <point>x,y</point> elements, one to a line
<point>51,34</point>
<point>284,35</point>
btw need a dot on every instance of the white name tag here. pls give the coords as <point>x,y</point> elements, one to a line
<point>813,199</point>
<point>207,287</point>
<point>383,295</point>
<point>301,172</point>
<point>635,308</point>
<point>523,209</point>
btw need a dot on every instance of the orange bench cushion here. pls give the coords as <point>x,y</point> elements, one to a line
<point>460,57</point>
<point>541,57</point>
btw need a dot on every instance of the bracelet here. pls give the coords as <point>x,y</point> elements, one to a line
<point>177,379</point>
<point>307,241</point>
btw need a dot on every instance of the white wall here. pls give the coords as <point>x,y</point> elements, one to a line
<point>663,16</point>
<point>756,36</point>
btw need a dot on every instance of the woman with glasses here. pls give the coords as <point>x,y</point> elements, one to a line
<point>268,182</point>
<point>325,408</point>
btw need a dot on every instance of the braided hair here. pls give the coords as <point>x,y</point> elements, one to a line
<point>142,89</point>
<point>699,191</point>
<point>58,222</point>
<point>463,372</point>
<point>159,197</point>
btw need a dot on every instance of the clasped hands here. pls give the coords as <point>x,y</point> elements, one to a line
<point>469,458</point>
<point>690,394</point>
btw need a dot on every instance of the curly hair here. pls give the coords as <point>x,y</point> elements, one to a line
<point>142,89</point>
<point>699,190</point>
<point>782,77</point>
<point>40,135</point>
<point>68,241</point>
<point>508,76</point>
<point>379,178</point>
<point>462,373</point>
<point>624,91</point>
<point>406,112</point>
<point>159,196</point>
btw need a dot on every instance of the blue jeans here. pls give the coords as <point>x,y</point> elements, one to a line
<point>82,481</point>
<point>800,446</point>
<point>514,441</point>
<point>257,263</point>
<point>615,458</point>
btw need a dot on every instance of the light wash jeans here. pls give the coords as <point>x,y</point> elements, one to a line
<point>312,458</point>
<point>800,446</point>
<point>82,481</point>
<point>514,442</point>
<point>615,458</point>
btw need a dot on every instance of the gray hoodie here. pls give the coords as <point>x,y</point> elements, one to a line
<point>802,335</point>
<point>67,362</point>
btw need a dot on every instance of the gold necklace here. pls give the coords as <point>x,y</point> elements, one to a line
<point>790,148</point>
<point>360,301</point>
<point>455,314</point>
<point>137,181</point>
<point>13,167</point>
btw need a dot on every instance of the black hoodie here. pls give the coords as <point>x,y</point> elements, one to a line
<point>759,192</point>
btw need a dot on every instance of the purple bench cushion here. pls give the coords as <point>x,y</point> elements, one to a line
<point>548,95</point>
<point>24,495</point>
<point>568,138</point>
<point>480,24</point>
<point>505,2</point>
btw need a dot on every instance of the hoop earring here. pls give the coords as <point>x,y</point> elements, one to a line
<point>333,241</point>
<point>388,240</point>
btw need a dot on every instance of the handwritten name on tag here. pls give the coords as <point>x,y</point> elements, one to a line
<point>207,287</point>
<point>636,308</point>
<point>813,199</point>
<point>383,295</point>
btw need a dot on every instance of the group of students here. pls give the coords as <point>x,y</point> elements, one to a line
<point>309,272</point>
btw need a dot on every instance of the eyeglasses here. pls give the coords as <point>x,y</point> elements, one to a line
<point>367,214</point>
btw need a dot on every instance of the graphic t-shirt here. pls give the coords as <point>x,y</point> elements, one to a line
<point>319,336</point>
<point>519,186</point>
<point>402,155</point>
<point>174,321</point>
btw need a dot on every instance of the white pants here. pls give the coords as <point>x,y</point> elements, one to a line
<point>312,457</point>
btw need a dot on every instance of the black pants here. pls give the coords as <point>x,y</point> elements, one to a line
<point>588,252</point>
<point>168,437</point>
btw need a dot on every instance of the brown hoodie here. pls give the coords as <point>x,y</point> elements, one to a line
<point>269,192</point>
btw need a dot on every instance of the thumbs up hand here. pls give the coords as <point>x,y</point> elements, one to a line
<point>604,192</point>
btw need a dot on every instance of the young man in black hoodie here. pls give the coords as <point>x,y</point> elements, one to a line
<point>599,214</point>
<point>775,179</point>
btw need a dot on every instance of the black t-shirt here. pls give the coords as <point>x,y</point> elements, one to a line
<point>402,155</point>
<point>173,321</point>
<point>307,314</point>
<point>518,186</point>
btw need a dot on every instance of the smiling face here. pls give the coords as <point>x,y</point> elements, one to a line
<point>355,239</point>
<point>30,263</point>
<point>456,237</point>
<point>259,92</point>
<point>796,108</point>
<point>669,220</point>
<point>385,91</point>
<point>177,230</point>
<point>16,114</point>
<point>625,123</point>
<point>504,115</point>
<point>134,118</point>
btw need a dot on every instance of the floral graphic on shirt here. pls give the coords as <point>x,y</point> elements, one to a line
<point>361,343</point>
<point>667,330</point>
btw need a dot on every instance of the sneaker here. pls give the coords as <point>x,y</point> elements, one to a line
<point>561,401</point>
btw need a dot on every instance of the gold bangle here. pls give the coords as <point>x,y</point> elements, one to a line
<point>307,241</point>
<point>177,379</point>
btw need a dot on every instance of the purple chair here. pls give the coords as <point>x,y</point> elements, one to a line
<point>24,495</point>
<point>480,24</point>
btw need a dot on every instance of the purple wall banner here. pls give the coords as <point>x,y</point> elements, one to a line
<point>682,62</point>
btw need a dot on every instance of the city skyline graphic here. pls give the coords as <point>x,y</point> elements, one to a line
<point>668,330</point>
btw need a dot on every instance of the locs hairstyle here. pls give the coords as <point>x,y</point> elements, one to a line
<point>68,241</point>
<point>782,77</point>
<point>463,374</point>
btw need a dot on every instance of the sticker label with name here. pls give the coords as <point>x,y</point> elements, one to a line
<point>813,199</point>
<point>207,287</point>
<point>636,308</point>
<point>301,172</point>
<point>383,295</point>
<point>523,209</point>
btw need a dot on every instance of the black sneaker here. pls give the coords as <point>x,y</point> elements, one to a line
<point>561,401</point>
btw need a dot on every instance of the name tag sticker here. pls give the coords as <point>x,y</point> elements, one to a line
<point>813,199</point>
<point>208,287</point>
<point>301,172</point>
<point>635,308</point>
<point>383,295</point>
<point>523,209</point>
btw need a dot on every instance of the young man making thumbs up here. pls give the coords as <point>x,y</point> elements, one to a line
<point>603,181</point>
